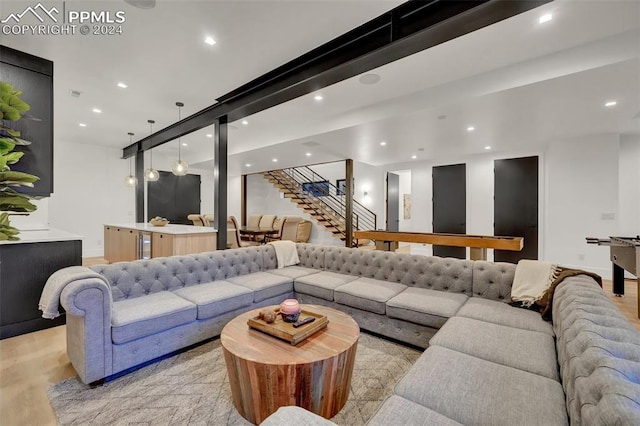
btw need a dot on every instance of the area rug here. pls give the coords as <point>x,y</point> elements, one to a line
<point>192,388</point>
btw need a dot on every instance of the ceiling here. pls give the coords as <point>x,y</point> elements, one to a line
<point>519,83</point>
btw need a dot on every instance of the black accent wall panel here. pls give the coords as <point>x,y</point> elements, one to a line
<point>174,197</point>
<point>34,77</point>
<point>450,206</point>
<point>516,206</point>
<point>24,269</point>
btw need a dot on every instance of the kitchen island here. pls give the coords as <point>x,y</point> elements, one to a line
<point>126,242</point>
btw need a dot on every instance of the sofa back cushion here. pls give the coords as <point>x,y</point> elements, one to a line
<point>311,255</point>
<point>142,277</point>
<point>435,273</point>
<point>598,354</point>
<point>493,280</point>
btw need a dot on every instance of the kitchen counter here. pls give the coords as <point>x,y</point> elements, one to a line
<point>43,236</point>
<point>130,241</point>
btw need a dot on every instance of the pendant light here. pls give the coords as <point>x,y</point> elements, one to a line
<point>151,174</point>
<point>131,180</point>
<point>180,167</point>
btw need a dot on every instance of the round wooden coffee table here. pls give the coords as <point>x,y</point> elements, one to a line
<point>266,373</point>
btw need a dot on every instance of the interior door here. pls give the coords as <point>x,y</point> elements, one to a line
<point>450,206</point>
<point>516,206</point>
<point>393,202</point>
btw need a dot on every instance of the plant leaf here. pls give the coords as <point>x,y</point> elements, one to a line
<point>12,157</point>
<point>11,177</point>
<point>16,203</point>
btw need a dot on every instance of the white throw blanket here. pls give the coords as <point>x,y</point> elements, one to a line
<point>532,279</point>
<point>286,253</point>
<point>50,297</point>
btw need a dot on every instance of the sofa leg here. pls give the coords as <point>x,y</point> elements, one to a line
<point>96,384</point>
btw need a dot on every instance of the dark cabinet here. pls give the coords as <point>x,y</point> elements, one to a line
<point>34,77</point>
<point>24,269</point>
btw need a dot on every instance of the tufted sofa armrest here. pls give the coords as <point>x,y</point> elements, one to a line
<point>88,303</point>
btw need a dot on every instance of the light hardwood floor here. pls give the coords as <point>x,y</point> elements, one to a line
<point>30,363</point>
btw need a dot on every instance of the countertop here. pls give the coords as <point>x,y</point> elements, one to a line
<point>43,236</point>
<point>167,229</point>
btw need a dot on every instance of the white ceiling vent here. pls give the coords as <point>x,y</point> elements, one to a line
<point>75,93</point>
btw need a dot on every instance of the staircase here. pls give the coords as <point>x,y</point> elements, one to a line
<point>322,200</point>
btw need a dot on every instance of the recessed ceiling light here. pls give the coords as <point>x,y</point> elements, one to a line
<point>97,110</point>
<point>245,122</point>
<point>247,165</point>
<point>470,129</point>
<point>184,144</point>
<point>383,143</point>
<point>487,147</point>
<point>414,157</point>
<point>210,41</point>
<point>369,78</point>
<point>122,85</point>
<point>209,135</point>
<point>318,97</point>
<point>610,104</point>
<point>545,18</point>
<point>82,125</point>
<point>308,154</point>
<point>275,160</point>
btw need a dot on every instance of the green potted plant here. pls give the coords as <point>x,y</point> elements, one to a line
<point>12,109</point>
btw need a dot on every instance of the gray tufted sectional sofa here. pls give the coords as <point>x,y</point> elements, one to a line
<point>486,362</point>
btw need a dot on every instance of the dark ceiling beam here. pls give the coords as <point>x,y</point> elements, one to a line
<point>409,28</point>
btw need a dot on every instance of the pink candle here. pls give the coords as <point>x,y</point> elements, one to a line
<point>290,306</point>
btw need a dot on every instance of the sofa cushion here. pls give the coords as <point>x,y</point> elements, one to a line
<point>294,272</point>
<point>501,313</point>
<point>471,390</point>
<point>264,284</point>
<point>397,410</point>
<point>153,313</point>
<point>322,284</point>
<point>427,307</point>
<point>216,298</point>
<point>523,349</point>
<point>367,294</point>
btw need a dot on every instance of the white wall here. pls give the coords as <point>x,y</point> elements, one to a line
<point>89,191</point>
<point>582,201</point>
<point>629,186</point>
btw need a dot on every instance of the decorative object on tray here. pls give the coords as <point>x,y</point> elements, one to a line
<point>268,315</point>
<point>159,221</point>
<point>293,332</point>
<point>290,310</point>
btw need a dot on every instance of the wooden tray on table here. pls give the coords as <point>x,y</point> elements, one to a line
<point>286,331</point>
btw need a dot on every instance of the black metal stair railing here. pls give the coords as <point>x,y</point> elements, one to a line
<point>325,200</point>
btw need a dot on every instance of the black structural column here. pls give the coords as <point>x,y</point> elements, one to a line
<point>220,182</point>
<point>140,187</point>
<point>243,200</point>
<point>348,215</point>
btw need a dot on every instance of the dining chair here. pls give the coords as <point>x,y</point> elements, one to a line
<point>254,220</point>
<point>207,219</point>
<point>290,228</point>
<point>233,235</point>
<point>196,219</point>
<point>266,221</point>
<point>277,224</point>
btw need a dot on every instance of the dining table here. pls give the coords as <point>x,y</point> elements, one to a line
<point>257,233</point>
